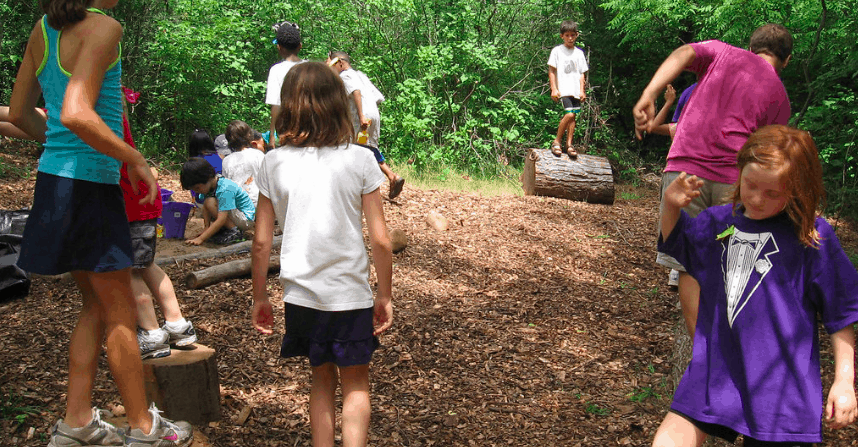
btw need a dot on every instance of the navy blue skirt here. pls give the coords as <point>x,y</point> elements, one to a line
<point>75,225</point>
<point>343,338</point>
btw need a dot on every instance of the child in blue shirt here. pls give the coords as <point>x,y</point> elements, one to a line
<point>227,209</point>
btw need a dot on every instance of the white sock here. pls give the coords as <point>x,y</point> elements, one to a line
<point>176,326</point>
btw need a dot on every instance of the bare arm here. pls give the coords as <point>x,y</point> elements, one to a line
<point>552,82</point>
<point>658,125</point>
<point>26,91</point>
<point>8,129</point>
<point>677,195</point>
<point>382,259</point>
<point>841,408</point>
<point>583,86</point>
<point>222,217</point>
<point>644,110</point>
<point>262,316</point>
<point>364,123</point>
<point>272,142</point>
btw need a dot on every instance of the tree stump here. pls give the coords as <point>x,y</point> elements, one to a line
<point>587,178</point>
<point>184,385</point>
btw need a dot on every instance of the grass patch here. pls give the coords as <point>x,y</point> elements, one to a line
<point>449,179</point>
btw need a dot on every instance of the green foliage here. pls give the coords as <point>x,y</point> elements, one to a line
<point>597,410</point>
<point>643,393</point>
<point>13,409</point>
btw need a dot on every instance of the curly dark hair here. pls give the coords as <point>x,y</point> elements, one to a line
<point>288,35</point>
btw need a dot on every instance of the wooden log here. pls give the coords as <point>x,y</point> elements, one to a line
<point>221,272</point>
<point>234,249</point>
<point>184,385</point>
<point>586,178</point>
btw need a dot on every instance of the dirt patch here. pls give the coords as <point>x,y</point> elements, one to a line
<point>531,321</point>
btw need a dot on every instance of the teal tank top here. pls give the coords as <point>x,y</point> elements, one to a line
<point>65,154</point>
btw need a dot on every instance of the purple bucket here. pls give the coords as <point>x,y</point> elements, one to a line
<point>166,194</point>
<point>175,217</point>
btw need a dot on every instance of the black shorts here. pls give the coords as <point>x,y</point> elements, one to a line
<point>730,435</point>
<point>144,237</point>
<point>75,225</point>
<point>571,104</point>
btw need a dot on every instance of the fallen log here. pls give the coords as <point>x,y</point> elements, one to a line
<point>587,178</point>
<point>221,272</point>
<point>234,249</point>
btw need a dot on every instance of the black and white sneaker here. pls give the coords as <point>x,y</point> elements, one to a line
<point>227,236</point>
<point>184,337</point>
<point>153,346</point>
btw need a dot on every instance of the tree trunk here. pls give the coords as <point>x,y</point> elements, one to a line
<point>587,178</point>
<point>184,385</point>
<point>220,272</point>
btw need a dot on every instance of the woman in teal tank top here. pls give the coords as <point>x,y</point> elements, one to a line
<point>77,223</point>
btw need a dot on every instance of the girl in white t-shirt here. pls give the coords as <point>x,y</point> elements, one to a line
<point>316,186</point>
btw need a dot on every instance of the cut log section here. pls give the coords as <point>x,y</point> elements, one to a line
<point>587,178</point>
<point>221,272</point>
<point>184,385</point>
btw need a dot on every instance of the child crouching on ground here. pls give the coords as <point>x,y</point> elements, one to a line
<point>755,365</point>
<point>227,209</point>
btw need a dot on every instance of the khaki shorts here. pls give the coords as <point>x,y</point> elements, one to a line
<point>240,220</point>
<point>711,194</point>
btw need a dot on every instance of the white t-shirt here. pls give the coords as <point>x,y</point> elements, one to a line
<point>316,194</point>
<point>571,65</point>
<point>275,81</point>
<point>370,97</point>
<point>242,168</point>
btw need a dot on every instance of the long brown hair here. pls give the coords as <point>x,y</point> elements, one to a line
<point>794,153</point>
<point>314,108</point>
<point>65,12</point>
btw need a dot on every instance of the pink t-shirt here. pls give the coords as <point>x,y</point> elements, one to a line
<point>737,93</point>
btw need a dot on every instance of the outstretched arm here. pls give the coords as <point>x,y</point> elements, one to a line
<point>677,195</point>
<point>841,408</point>
<point>644,110</point>
<point>262,316</point>
<point>382,258</point>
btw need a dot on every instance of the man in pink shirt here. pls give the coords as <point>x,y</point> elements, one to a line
<point>738,91</point>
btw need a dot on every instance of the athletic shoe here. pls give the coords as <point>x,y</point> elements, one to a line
<point>165,433</point>
<point>183,338</point>
<point>96,433</point>
<point>395,187</point>
<point>153,347</point>
<point>227,236</point>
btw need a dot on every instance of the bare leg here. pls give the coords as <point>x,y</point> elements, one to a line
<point>356,405</point>
<point>676,431</point>
<point>210,212</point>
<point>570,129</point>
<point>114,311</point>
<point>689,299</point>
<point>146,317</point>
<point>387,171</point>
<point>322,415</point>
<point>564,124</point>
<point>162,288</point>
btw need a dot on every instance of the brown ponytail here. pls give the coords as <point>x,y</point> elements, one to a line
<point>65,12</point>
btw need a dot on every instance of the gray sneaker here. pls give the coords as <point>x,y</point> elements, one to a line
<point>165,433</point>
<point>153,347</point>
<point>183,338</point>
<point>96,433</point>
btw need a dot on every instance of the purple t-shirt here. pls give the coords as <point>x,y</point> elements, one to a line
<point>683,99</point>
<point>737,93</point>
<point>755,362</point>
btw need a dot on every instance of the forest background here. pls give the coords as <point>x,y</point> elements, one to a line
<point>466,80</point>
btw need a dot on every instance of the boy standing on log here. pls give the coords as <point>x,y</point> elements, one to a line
<point>566,68</point>
<point>738,92</point>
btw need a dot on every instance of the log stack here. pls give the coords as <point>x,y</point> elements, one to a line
<point>587,178</point>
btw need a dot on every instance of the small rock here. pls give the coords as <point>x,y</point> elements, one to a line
<point>399,240</point>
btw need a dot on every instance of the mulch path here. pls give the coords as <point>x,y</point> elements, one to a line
<point>530,321</point>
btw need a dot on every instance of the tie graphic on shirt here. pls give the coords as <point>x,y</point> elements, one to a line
<point>746,264</point>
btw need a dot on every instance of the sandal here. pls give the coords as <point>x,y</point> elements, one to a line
<point>572,152</point>
<point>556,149</point>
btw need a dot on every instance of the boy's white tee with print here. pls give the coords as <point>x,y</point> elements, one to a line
<point>571,64</point>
